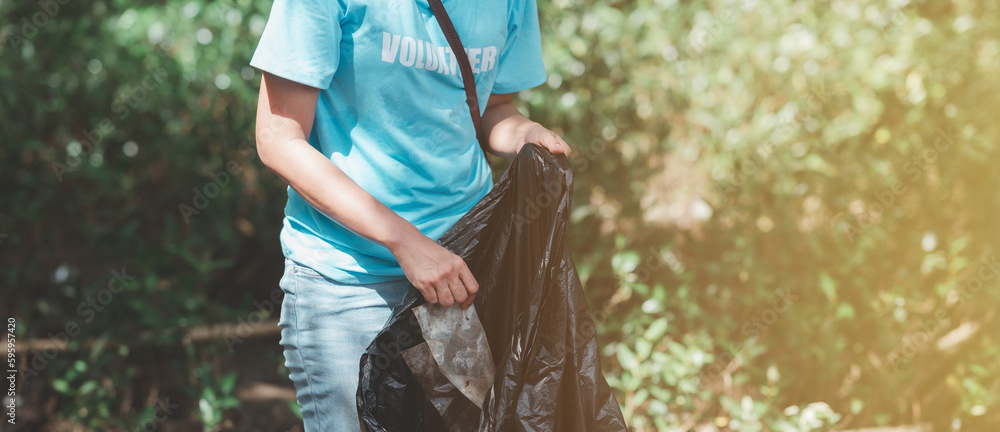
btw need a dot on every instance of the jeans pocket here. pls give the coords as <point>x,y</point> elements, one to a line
<point>304,271</point>
<point>287,282</point>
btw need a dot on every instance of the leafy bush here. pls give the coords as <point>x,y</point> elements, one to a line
<point>777,180</point>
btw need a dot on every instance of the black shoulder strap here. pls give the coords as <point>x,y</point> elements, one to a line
<point>463,64</point>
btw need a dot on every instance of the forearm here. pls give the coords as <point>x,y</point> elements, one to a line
<point>505,126</point>
<point>333,193</point>
<point>285,114</point>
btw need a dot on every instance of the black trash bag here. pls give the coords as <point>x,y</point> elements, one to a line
<point>525,356</point>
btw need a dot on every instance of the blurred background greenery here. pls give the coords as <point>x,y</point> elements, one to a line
<point>785,211</point>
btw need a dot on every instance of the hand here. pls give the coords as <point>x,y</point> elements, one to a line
<point>538,134</point>
<point>441,276</point>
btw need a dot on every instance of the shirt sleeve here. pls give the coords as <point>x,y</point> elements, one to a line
<point>520,65</point>
<point>301,41</point>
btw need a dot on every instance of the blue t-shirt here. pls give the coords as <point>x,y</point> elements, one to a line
<point>392,111</point>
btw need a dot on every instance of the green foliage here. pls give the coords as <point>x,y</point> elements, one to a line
<point>215,398</point>
<point>114,115</point>
<point>784,211</point>
<point>743,155</point>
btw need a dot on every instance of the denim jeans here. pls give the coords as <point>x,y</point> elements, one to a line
<point>325,327</point>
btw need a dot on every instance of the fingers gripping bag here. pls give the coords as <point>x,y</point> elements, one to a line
<point>525,356</point>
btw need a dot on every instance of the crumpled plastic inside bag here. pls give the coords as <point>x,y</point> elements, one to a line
<point>525,356</point>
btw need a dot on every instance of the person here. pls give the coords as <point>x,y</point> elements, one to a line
<point>362,111</point>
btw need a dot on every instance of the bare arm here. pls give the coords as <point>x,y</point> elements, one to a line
<point>285,114</point>
<point>508,130</point>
